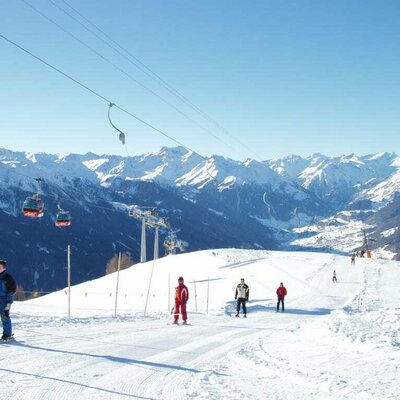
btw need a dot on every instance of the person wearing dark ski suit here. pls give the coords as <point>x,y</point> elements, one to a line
<point>241,295</point>
<point>281,292</point>
<point>7,291</point>
<point>181,298</point>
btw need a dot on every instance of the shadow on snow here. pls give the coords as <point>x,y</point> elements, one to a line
<point>231,307</point>
<point>75,383</point>
<point>114,359</point>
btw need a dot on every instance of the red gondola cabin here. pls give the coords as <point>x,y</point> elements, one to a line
<point>63,218</point>
<point>33,207</point>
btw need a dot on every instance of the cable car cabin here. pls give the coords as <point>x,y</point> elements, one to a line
<point>63,219</point>
<point>33,207</point>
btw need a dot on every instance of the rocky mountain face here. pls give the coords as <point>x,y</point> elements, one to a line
<point>211,202</point>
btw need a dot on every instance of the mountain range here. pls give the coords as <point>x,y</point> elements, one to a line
<point>315,202</point>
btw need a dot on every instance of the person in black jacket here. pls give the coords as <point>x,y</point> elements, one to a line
<point>242,295</point>
<point>7,291</point>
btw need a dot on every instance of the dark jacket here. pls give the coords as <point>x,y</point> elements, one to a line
<point>7,287</point>
<point>242,291</point>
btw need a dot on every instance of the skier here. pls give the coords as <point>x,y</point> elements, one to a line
<point>281,292</point>
<point>7,291</point>
<point>353,258</point>
<point>242,295</point>
<point>181,298</point>
<point>334,277</point>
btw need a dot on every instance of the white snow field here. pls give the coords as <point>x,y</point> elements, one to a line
<point>334,340</point>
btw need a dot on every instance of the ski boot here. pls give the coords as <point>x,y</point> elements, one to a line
<point>7,338</point>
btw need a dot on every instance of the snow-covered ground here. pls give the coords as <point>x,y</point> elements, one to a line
<point>334,341</point>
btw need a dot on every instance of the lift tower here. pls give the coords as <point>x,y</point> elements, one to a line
<point>151,219</point>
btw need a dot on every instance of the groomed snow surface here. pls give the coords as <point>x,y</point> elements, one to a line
<point>334,341</point>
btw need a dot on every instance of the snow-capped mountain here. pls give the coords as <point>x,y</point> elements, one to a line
<point>342,179</point>
<point>212,202</point>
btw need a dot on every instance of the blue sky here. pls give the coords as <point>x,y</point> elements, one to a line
<point>283,77</point>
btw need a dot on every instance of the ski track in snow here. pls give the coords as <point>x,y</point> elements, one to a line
<point>343,355</point>
<point>320,348</point>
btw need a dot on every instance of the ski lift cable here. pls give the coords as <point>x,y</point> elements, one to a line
<point>136,62</point>
<point>149,72</point>
<point>55,68</point>
<point>155,129</point>
<point>96,93</point>
<point>121,134</point>
<point>101,97</point>
<point>125,72</point>
<point>136,81</point>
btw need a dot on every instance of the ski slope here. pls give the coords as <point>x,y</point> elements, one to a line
<point>322,347</point>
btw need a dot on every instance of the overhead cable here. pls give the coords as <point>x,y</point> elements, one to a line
<point>127,74</point>
<point>150,73</point>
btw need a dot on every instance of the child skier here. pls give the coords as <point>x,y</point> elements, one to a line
<point>181,298</point>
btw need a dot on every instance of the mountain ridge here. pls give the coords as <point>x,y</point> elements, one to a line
<point>212,201</point>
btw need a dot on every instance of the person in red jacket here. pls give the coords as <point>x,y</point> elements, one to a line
<point>281,292</point>
<point>181,298</point>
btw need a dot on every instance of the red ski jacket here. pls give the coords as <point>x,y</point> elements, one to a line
<point>181,293</point>
<point>281,291</point>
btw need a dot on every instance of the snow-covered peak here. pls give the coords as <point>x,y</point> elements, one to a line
<point>336,176</point>
<point>318,155</point>
<point>289,166</point>
<point>383,191</point>
<point>381,156</point>
<point>396,162</point>
<point>93,165</point>
<point>343,177</point>
<point>383,163</point>
<point>350,158</point>
<point>173,152</point>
